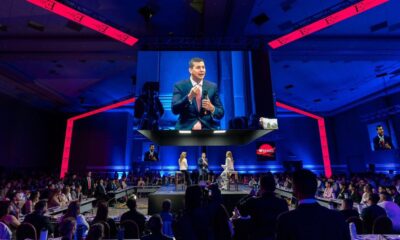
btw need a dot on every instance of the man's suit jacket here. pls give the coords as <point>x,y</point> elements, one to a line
<point>369,215</point>
<point>264,212</point>
<point>85,186</point>
<point>188,113</point>
<point>378,146</point>
<point>148,158</point>
<point>312,222</point>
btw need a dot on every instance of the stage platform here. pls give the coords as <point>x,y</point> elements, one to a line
<point>155,199</point>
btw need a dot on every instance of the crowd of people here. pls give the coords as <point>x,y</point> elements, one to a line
<point>260,215</point>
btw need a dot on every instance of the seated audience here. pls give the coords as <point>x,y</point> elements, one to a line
<point>155,225</point>
<point>241,222</point>
<point>67,228</point>
<point>38,219</point>
<point>265,209</point>
<point>102,216</point>
<point>30,203</point>
<point>391,208</point>
<point>343,194</point>
<point>55,199</point>
<point>96,232</point>
<point>310,220</point>
<point>73,211</point>
<point>134,215</point>
<point>366,194</point>
<point>369,214</point>
<point>348,210</point>
<point>167,217</point>
<point>5,216</point>
<point>328,192</point>
<point>354,195</point>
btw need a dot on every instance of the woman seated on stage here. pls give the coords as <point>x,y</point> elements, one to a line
<point>183,167</point>
<point>228,167</point>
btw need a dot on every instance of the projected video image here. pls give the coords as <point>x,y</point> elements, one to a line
<point>208,90</point>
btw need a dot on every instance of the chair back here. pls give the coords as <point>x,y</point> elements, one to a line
<point>131,229</point>
<point>357,222</point>
<point>26,230</point>
<point>106,229</point>
<point>382,225</point>
<point>5,232</point>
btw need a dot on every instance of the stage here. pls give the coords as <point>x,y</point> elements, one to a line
<point>177,197</point>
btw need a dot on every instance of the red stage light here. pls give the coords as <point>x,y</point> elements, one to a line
<point>322,135</point>
<point>332,19</point>
<point>85,20</point>
<point>70,128</point>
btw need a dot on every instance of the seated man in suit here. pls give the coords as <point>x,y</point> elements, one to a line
<point>310,220</point>
<point>382,142</point>
<point>202,163</point>
<point>196,100</point>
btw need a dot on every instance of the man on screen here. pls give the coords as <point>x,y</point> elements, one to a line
<point>196,100</point>
<point>151,155</point>
<point>382,142</point>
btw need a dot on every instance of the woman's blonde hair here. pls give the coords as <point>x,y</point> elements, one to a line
<point>229,154</point>
<point>182,156</point>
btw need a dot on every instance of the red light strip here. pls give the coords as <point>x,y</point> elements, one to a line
<point>70,128</point>
<point>332,19</point>
<point>322,135</point>
<point>85,20</point>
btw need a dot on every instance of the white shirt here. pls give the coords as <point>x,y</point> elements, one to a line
<point>228,165</point>
<point>393,212</point>
<point>183,166</point>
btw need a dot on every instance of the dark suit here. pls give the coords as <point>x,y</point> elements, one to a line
<point>85,186</point>
<point>381,145</point>
<point>188,112</point>
<point>203,168</point>
<point>150,158</point>
<point>39,222</point>
<point>264,212</point>
<point>369,214</point>
<point>312,221</point>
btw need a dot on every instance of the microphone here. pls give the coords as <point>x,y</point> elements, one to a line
<point>205,96</point>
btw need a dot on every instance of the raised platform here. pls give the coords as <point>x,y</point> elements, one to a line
<point>178,198</point>
<point>203,137</point>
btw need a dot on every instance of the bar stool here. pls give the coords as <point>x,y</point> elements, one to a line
<point>235,178</point>
<point>179,176</point>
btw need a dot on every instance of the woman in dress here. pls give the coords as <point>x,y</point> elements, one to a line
<point>228,167</point>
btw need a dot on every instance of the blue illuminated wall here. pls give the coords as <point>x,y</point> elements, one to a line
<point>352,139</point>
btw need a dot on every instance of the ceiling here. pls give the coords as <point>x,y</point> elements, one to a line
<point>74,69</point>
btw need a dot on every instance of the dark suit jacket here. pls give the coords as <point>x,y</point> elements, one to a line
<point>148,158</point>
<point>85,188</point>
<point>188,113</point>
<point>369,214</point>
<point>39,222</point>
<point>348,213</point>
<point>202,168</point>
<point>378,146</point>
<point>312,222</point>
<point>264,212</point>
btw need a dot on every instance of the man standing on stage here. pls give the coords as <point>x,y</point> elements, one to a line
<point>203,166</point>
<point>151,155</point>
<point>382,142</point>
<point>196,100</point>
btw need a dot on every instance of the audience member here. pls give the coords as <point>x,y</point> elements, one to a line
<point>155,225</point>
<point>134,215</point>
<point>167,217</point>
<point>30,203</point>
<point>391,208</point>
<point>102,216</point>
<point>96,232</point>
<point>371,213</point>
<point>73,211</point>
<point>38,219</point>
<point>310,220</point>
<point>67,228</point>
<point>348,210</point>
